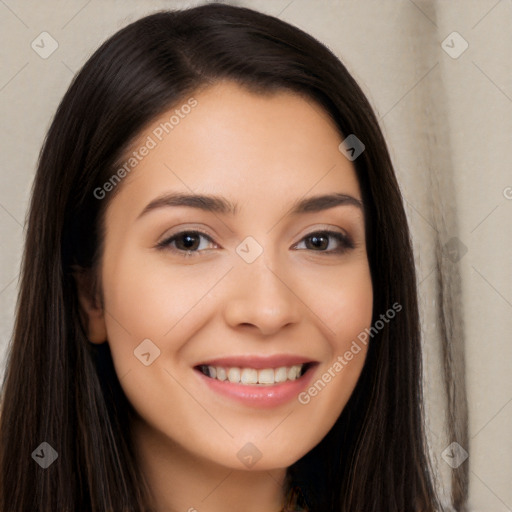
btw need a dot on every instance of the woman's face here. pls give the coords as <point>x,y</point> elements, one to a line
<point>261,289</point>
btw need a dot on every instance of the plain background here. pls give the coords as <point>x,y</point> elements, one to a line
<point>448,123</point>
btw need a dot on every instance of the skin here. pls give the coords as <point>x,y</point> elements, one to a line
<point>263,152</point>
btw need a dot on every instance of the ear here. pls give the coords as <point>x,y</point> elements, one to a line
<point>91,307</point>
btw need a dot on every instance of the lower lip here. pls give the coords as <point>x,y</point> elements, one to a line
<point>263,397</point>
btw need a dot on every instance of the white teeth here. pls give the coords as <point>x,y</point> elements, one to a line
<point>281,374</point>
<point>221,372</point>
<point>292,373</point>
<point>249,376</point>
<point>252,376</point>
<point>266,376</point>
<point>234,375</point>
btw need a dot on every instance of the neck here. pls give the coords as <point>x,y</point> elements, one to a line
<point>181,481</point>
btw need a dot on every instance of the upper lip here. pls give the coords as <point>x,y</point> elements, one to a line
<point>257,361</point>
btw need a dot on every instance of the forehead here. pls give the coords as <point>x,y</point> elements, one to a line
<point>240,144</point>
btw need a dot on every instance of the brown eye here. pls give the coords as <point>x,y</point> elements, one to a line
<point>319,241</point>
<point>185,242</point>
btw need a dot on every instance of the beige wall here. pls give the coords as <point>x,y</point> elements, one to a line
<point>448,122</point>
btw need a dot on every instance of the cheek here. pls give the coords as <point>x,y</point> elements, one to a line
<point>344,305</point>
<point>146,298</point>
<point>139,305</point>
<point>342,300</point>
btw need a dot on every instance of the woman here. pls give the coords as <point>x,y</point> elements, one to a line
<point>218,307</point>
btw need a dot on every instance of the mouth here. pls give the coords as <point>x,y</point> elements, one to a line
<point>257,381</point>
<point>250,376</point>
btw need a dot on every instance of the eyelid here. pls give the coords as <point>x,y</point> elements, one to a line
<point>167,239</point>
<point>324,228</point>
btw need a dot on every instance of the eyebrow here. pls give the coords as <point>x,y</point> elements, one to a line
<point>218,204</point>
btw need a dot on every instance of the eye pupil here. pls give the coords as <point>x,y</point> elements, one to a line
<point>189,241</point>
<point>317,241</point>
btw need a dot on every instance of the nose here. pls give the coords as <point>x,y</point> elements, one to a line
<point>262,298</point>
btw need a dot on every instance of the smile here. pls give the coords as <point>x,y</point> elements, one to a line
<point>257,381</point>
<point>254,376</point>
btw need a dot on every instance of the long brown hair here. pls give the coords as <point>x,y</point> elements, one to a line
<point>60,389</point>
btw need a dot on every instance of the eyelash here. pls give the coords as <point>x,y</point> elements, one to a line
<point>345,242</point>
